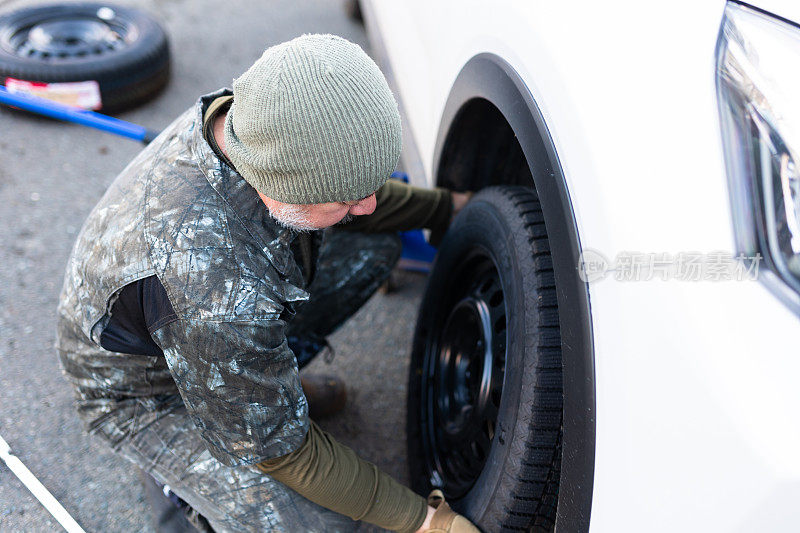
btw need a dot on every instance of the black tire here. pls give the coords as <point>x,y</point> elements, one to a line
<point>125,51</point>
<point>514,485</point>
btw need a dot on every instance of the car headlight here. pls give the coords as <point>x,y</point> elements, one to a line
<point>758,89</point>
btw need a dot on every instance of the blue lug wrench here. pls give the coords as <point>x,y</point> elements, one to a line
<point>48,108</point>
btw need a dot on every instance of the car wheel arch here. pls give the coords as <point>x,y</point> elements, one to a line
<point>486,92</point>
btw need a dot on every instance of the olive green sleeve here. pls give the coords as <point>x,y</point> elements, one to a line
<point>333,476</point>
<point>403,207</point>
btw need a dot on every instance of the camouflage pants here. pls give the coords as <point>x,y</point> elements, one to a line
<point>166,444</point>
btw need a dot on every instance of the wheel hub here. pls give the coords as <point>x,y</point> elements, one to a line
<point>461,396</point>
<point>465,367</point>
<point>79,36</point>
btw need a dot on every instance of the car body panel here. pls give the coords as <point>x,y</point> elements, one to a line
<point>696,396</point>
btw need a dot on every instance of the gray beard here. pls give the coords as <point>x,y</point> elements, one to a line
<point>292,216</point>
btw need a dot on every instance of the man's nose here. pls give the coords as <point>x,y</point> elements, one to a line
<point>365,206</point>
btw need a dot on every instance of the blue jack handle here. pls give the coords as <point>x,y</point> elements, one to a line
<point>51,109</point>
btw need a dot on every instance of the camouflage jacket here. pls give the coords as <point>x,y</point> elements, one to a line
<point>179,213</point>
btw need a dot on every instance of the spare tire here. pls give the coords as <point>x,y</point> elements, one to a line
<point>97,56</point>
<point>485,387</point>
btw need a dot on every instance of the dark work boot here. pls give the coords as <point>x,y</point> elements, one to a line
<point>326,395</point>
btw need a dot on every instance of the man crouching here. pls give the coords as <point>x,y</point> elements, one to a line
<point>200,284</point>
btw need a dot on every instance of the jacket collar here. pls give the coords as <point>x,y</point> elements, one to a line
<point>273,239</point>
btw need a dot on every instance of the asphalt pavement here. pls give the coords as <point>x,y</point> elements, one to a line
<point>51,175</point>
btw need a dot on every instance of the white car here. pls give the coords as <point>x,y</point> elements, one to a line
<point>609,338</point>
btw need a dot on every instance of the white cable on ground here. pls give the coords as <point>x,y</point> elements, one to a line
<point>38,490</point>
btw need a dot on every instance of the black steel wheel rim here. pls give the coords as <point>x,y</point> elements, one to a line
<point>464,374</point>
<point>58,38</point>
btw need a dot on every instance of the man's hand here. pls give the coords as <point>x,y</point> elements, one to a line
<point>426,525</point>
<point>460,199</point>
<point>441,518</point>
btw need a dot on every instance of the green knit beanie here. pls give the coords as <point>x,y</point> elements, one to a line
<point>313,121</point>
